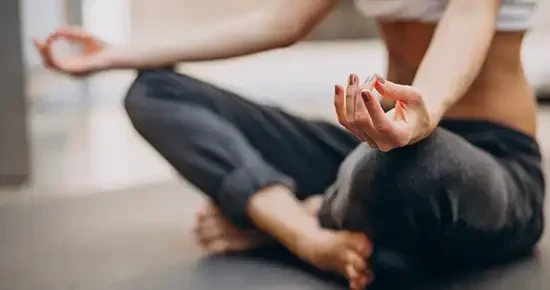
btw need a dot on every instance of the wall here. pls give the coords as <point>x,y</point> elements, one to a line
<point>39,17</point>
<point>14,149</point>
<point>109,19</point>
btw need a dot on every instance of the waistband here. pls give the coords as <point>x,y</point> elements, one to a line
<point>493,137</point>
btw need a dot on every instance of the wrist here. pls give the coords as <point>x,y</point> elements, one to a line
<point>435,112</point>
<point>112,58</point>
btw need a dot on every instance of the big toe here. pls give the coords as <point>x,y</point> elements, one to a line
<point>207,210</point>
<point>360,243</point>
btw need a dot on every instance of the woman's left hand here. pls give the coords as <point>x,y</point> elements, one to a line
<point>359,111</point>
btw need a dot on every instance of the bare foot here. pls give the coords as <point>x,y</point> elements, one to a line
<point>217,235</point>
<point>341,252</point>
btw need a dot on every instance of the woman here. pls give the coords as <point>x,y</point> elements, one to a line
<point>450,176</point>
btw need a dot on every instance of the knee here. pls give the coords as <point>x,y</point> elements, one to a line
<point>146,84</point>
<point>396,186</point>
<point>139,103</point>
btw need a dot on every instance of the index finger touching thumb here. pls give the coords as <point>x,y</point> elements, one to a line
<point>396,91</point>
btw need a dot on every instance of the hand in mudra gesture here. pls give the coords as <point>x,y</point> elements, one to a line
<point>90,59</point>
<point>360,112</point>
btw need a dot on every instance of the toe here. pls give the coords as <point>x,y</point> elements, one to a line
<point>208,210</point>
<point>360,264</point>
<point>355,269</point>
<point>353,277</point>
<point>218,246</point>
<point>209,229</point>
<point>351,272</point>
<point>361,283</point>
<point>361,244</point>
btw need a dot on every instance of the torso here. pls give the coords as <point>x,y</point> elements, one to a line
<point>501,92</point>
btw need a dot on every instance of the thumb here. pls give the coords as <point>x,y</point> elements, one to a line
<point>396,91</point>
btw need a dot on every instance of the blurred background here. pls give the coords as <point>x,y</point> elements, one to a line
<point>69,139</point>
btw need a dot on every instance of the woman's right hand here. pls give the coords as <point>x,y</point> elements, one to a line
<point>92,57</point>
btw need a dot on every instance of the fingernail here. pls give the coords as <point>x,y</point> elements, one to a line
<point>380,78</point>
<point>351,80</point>
<point>336,89</point>
<point>366,96</point>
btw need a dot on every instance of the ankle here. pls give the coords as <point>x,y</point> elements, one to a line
<point>276,211</point>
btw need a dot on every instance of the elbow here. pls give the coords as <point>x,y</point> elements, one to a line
<point>290,39</point>
<point>290,32</point>
<point>290,36</point>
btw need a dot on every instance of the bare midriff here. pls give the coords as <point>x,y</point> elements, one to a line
<point>500,93</point>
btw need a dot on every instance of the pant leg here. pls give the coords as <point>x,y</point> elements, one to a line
<point>230,147</point>
<point>443,200</point>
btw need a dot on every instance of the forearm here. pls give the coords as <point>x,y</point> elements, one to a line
<point>234,37</point>
<point>456,54</point>
<point>276,25</point>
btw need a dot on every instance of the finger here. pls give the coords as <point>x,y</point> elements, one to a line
<point>390,134</point>
<point>361,116</point>
<point>400,111</point>
<point>369,83</point>
<point>46,52</point>
<point>350,95</point>
<point>351,89</point>
<point>396,91</point>
<point>73,33</point>
<point>362,122</point>
<point>38,44</point>
<point>379,120</point>
<point>340,106</point>
<point>41,48</point>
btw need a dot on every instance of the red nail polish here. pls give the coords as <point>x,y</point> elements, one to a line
<point>351,80</point>
<point>366,96</point>
<point>336,89</point>
<point>380,78</point>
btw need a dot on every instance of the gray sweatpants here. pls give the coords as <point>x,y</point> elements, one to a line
<point>469,194</point>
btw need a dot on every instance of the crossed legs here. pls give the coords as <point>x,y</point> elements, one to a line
<point>260,167</point>
<point>257,164</point>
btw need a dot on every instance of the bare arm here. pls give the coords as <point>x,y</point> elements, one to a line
<point>456,54</point>
<point>277,25</point>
